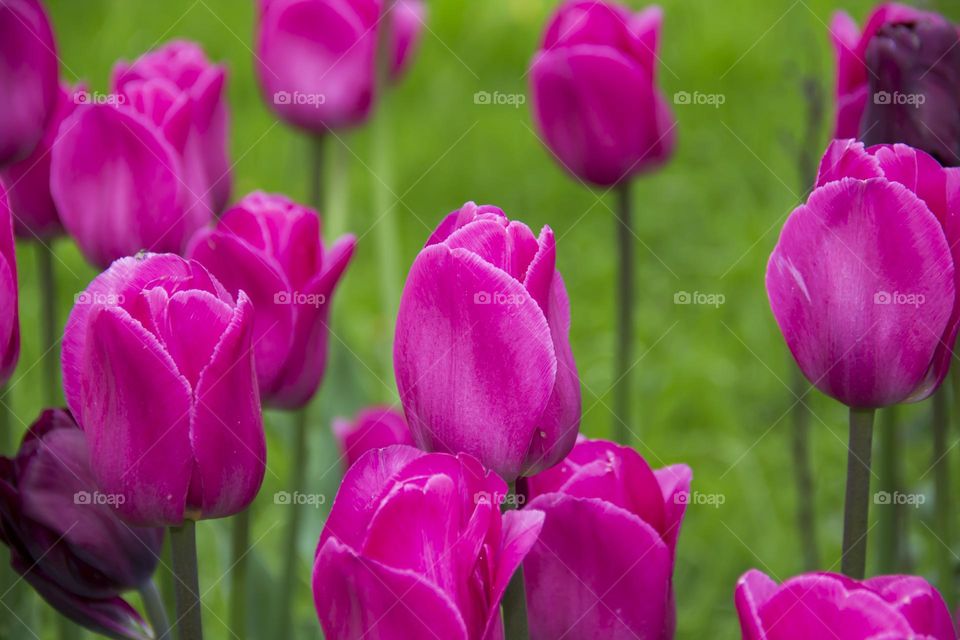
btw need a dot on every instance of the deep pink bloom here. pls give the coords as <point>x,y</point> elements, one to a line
<point>28,181</point>
<point>64,538</point>
<point>482,351</point>
<point>270,247</point>
<point>828,605</point>
<point>9,297</point>
<point>158,370</point>
<point>28,77</point>
<point>863,279</point>
<point>416,547</point>
<point>144,167</point>
<point>373,428</point>
<point>603,565</point>
<point>315,59</point>
<point>595,97</point>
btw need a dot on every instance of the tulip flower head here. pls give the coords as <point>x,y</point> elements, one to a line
<point>373,428</point>
<point>828,605</point>
<point>28,77</point>
<point>595,98</point>
<point>862,281</point>
<point>9,297</point>
<point>158,369</point>
<point>416,547</point>
<point>315,59</point>
<point>602,567</point>
<point>64,538</point>
<point>482,351</point>
<point>269,246</point>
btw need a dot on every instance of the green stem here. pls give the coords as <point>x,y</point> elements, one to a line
<point>317,150</point>
<point>624,344</point>
<point>48,298</point>
<point>291,561</point>
<point>856,506</point>
<point>238,572</point>
<point>183,541</point>
<point>942,504</point>
<point>514,598</point>
<point>890,518</point>
<point>156,612</point>
<point>803,476</point>
<point>338,188</point>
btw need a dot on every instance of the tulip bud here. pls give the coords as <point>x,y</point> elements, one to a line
<point>316,58</point>
<point>416,547</point>
<point>158,369</point>
<point>914,79</point>
<point>482,351</point>
<point>863,280</point>
<point>374,428</point>
<point>63,535</point>
<point>9,299</point>
<point>271,247</point>
<point>603,564</point>
<point>28,77</point>
<point>595,98</point>
<point>824,605</point>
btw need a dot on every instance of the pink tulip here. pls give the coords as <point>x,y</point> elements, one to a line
<point>373,428</point>
<point>416,547</point>
<point>316,58</point>
<point>28,181</point>
<point>28,77</point>
<point>482,352</point>
<point>9,299</point>
<point>863,282</point>
<point>828,605</point>
<point>144,167</point>
<point>270,247</point>
<point>595,97</point>
<point>603,565</point>
<point>158,370</point>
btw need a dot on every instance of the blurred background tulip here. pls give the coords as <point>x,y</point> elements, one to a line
<point>63,535</point>
<point>416,546</point>
<point>373,428</point>
<point>158,370</point>
<point>595,98</point>
<point>826,605</point>
<point>603,564</point>
<point>28,77</point>
<point>482,352</point>
<point>315,59</point>
<point>270,247</point>
<point>9,298</point>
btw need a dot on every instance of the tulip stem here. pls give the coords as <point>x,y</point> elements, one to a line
<point>338,187</point>
<point>293,525</point>
<point>515,597</point>
<point>317,150</point>
<point>238,572</point>
<point>806,520</point>
<point>156,612</point>
<point>890,519</point>
<point>624,345</point>
<point>856,507</point>
<point>48,297</point>
<point>941,483</point>
<point>183,541</point>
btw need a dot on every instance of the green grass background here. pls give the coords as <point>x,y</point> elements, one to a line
<point>709,389</point>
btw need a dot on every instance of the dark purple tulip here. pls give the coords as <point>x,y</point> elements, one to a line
<point>915,88</point>
<point>63,535</point>
<point>28,77</point>
<point>9,314</point>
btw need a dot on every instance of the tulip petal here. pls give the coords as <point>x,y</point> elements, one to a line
<point>521,530</point>
<point>465,364</point>
<point>847,159</point>
<point>675,483</point>
<point>754,588</point>
<point>374,428</point>
<point>921,604</point>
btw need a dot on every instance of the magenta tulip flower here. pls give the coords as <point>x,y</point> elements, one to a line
<point>482,351</point>
<point>63,535</point>
<point>603,565</point>
<point>315,59</point>
<point>373,428</point>
<point>270,247</point>
<point>828,605</point>
<point>28,77</point>
<point>416,547</point>
<point>144,167</point>
<point>595,97</point>
<point>9,298</point>
<point>863,279</point>
<point>158,370</point>
<point>35,215</point>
